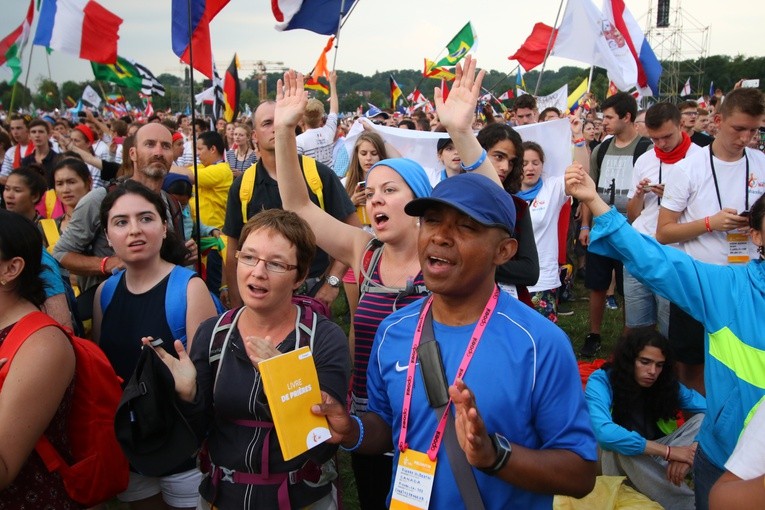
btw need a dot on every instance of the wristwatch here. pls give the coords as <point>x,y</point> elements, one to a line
<point>333,281</point>
<point>504,450</point>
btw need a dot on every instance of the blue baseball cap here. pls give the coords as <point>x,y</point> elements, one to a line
<point>474,195</point>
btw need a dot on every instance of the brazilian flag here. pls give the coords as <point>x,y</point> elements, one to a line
<point>122,72</point>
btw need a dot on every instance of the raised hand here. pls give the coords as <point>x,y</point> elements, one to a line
<point>471,431</point>
<point>579,184</point>
<point>182,368</point>
<point>458,111</point>
<point>291,100</point>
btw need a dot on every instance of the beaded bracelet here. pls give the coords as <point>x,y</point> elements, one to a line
<point>584,227</point>
<point>361,436</point>
<point>475,165</point>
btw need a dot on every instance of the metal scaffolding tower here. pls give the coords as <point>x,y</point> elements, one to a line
<point>677,38</point>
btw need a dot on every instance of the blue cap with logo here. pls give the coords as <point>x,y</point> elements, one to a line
<point>474,195</point>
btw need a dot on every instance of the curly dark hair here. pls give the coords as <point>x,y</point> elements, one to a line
<point>173,248</point>
<point>661,400</point>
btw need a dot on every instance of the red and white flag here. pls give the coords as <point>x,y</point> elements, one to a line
<point>686,88</point>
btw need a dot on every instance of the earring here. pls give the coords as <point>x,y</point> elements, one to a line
<point>3,282</point>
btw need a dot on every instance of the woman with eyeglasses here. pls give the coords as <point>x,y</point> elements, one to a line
<point>133,304</point>
<point>224,400</point>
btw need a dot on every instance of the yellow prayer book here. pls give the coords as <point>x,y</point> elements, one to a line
<point>291,385</point>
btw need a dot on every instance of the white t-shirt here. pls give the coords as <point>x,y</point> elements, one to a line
<point>647,166</point>
<point>319,143</point>
<point>748,459</point>
<point>690,190</point>
<point>544,211</point>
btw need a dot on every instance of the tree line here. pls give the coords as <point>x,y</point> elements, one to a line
<point>358,90</point>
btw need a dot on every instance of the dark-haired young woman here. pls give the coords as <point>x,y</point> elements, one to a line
<point>134,219</point>
<point>36,394</point>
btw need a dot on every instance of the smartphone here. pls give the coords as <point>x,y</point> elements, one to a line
<point>750,84</point>
<point>648,187</point>
<point>361,185</point>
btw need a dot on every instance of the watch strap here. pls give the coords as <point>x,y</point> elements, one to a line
<point>503,455</point>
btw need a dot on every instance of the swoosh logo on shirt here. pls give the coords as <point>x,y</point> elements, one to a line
<point>399,368</point>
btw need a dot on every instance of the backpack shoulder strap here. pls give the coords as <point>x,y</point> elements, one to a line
<point>50,203</point>
<point>51,232</point>
<point>108,290</point>
<point>221,336</point>
<point>247,188</point>
<point>305,326</point>
<point>311,173</point>
<point>602,149</point>
<point>640,148</point>
<point>176,214</point>
<point>369,261</point>
<point>26,326</point>
<point>175,307</point>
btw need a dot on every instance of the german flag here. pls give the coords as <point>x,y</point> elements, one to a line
<point>395,93</point>
<point>320,69</point>
<point>231,91</point>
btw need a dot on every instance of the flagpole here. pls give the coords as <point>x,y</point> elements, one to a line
<point>29,70</point>
<point>589,79</point>
<point>349,13</point>
<point>337,35</point>
<point>491,89</point>
<point>197,233</point>
<point>549,47</point>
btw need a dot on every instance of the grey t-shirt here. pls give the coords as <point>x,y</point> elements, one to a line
<point>614,177</point>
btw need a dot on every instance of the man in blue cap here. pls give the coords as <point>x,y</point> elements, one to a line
<point>519,424</point>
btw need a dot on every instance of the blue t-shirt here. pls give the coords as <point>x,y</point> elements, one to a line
<point>526,384</point>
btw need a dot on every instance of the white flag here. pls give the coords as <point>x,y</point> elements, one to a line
<point>587,36</point>
<point>91,96</point>
<point>558,99</point>
<point>686,88</point>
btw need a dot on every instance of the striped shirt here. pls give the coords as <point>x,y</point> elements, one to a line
<point>372,309</point>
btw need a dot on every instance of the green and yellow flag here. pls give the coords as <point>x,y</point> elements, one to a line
<point>129,74</point>
<point>459,46</point>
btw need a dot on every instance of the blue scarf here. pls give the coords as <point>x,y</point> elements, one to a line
<point>530,194</point>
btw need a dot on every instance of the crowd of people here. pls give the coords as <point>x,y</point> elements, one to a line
<point>455,278</point>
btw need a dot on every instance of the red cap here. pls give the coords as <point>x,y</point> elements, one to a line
<point>177,136</point>
<point>85,130</point>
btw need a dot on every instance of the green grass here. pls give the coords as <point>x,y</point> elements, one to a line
<point>577,326</point>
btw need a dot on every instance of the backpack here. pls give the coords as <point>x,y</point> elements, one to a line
<point>369,261</point>
<point>175,308</point>
<point>640,148</point>
<point>310,171</point>
<point>100,470</point>
<point>305,330</point>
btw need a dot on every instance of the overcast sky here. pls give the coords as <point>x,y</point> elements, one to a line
<point>380,34</point>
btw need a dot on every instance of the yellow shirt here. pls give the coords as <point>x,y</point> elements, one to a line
<point>214,183</point>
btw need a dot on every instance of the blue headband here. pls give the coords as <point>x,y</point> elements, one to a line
<point>412,173</point>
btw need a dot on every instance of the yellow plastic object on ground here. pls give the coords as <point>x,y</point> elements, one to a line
<point>610,493</point>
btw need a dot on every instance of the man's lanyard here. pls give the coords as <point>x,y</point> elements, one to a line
<point>435,444</point>
<point>717,188</point>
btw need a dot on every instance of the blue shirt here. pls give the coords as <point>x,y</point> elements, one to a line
<point>525,380</point>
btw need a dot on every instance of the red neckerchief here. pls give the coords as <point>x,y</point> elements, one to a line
<point>675,154</point>
<point>17,156</point>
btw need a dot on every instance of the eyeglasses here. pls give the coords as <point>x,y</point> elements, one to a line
<point>271,265</point>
